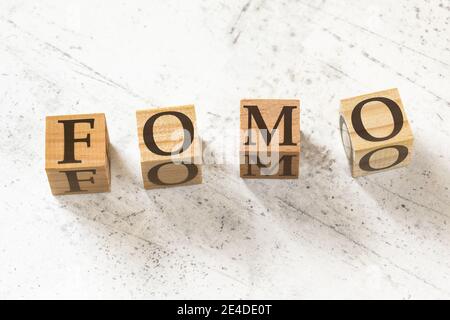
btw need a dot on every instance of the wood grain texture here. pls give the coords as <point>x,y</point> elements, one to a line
<point>378,123</point>
<point>177,157</point>
<point>269,138</point>
<point>89,157</point>
<point>324,235</point>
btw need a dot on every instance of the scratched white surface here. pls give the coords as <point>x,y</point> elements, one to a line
<point>325,235</point>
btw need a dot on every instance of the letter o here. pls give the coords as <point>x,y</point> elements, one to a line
<point>153,173</point>
<point>359,126</point>
<point>364,163</point>
<point>149,138</point>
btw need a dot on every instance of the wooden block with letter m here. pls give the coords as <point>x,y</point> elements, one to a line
<point>270,139</point>
<point>76,154</point>
<point>375,132</point>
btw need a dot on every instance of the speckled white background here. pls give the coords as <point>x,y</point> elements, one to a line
<point>325,235</point>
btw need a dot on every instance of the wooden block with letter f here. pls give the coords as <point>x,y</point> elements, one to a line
<point>375,132</point>
<point>170,147</point>
<point>77,154</point>
<point>270,139</point>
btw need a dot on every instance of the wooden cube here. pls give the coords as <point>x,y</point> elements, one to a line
<point>375,132</point>
<point>270,139</point>
<point>77,154</point>
<point>170,147</point>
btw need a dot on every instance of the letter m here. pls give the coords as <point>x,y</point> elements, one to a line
<point>286,114</point>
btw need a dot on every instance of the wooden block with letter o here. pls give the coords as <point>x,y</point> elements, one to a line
<point>170,147</point>
<point>375,132</point>
<point>76,154</point>
<point>270,139</point>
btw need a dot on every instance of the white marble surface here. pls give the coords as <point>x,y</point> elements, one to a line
<point>325,235</point>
